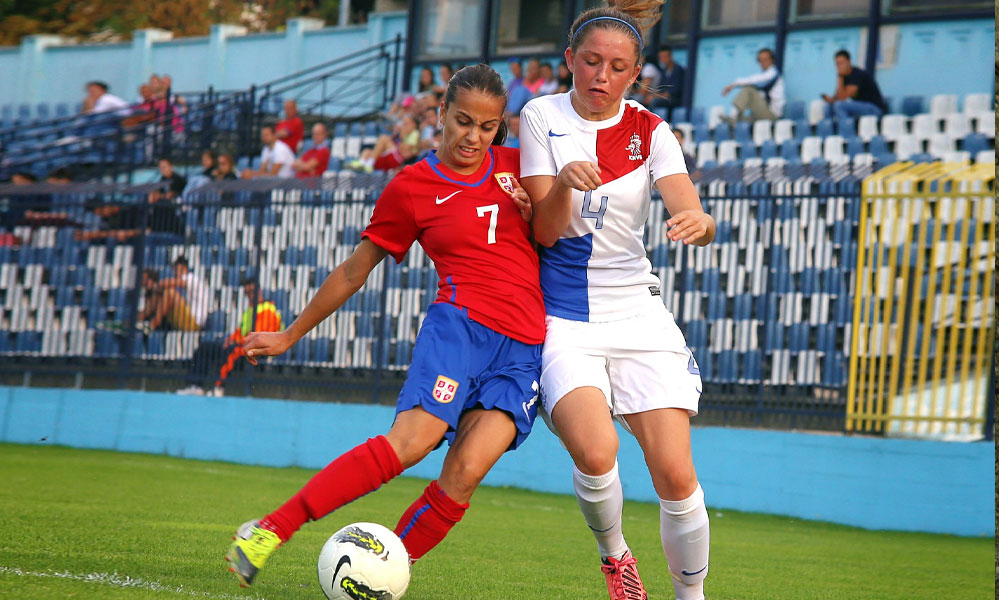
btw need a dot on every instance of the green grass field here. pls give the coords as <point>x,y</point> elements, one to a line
<point>96,524</point>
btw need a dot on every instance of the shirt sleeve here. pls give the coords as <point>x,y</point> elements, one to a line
<point>758,80</point>
<point>393,223</point>
<point>665,156</point>
<point>535,152</point>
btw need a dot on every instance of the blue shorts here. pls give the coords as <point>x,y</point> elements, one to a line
<point>459,365</point>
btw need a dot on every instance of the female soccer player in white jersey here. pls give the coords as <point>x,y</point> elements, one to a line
<point>476,362</point>
<point>588,161</point>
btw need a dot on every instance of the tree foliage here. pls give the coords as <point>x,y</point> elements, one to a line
<point>114,20</point>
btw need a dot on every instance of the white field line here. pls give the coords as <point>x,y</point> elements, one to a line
<point>122,581</point>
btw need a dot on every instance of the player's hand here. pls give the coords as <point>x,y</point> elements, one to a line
<point>689,226</point>
<point>522,200</point>
<point>726,90</point>
<point>581,175</point>
<point>266,343</point>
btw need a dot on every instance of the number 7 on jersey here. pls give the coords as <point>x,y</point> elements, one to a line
<point>493,210</point>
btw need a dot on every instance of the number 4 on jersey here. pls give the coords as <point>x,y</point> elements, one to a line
<point>589,214</point>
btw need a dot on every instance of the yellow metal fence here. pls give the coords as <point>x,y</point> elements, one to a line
<point>921,351</point>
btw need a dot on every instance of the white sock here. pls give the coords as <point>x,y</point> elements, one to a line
<point>683,526</point>
<point>601,500</point>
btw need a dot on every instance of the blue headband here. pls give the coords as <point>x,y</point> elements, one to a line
<point>641,45</point>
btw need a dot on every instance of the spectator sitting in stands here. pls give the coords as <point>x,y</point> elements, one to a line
<point>143,111</point>
<point>517,94</point>
<point>226,168</point>
<point>857,93</point>
<point>315,160</point>
<point>100,100</point>
<point>663,82</point>
<point>427,82</point>
<point>23,178</point>
<point>13,208</point>
<point>276,157</point>
<point>549,85</point>
<point>208,164</point>
<point>564,78</point>
<point>512,130</point>
<point>445,71</point>
<point>291,130</point>
<point>391,152</point>
<point>216,360</point>
<point>179,303</point>
<point>688,159</point>
<point>762,94</point>
<point>176,182</point>
<point>532,76</point>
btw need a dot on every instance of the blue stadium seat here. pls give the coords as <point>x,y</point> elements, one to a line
<point>697,334</point>
<point>854,146</point>
<point>24,112</point>
<point>912,105</point>
<point>768,149</point>
<point>974,143</point>
<point>824,128</point>
<point>728,366</point>
<point>743,307</point>
<point>721,132</point>
<point>701,133</point>
<point>62,110</point>
<point>215,322</point>
<point>301,353</point>
<point>743,132</point>
<point>809,278</point>
<point>752,366</point>
<point>797,337</point>
<point>795,110</point>
<point>747,149</point>
<point>922,157</point>
<point>679,114</point>
<point>716,307</point>
<point>321,349</point>
<point>697,116</point>
<point>660,111</point>
<point>309,255</point>
<point>802,129</point>
<point>878,145</point>
<point>42,111</point>
<point>846,128</point>
<point>790,149</point>
<point>28,341</point>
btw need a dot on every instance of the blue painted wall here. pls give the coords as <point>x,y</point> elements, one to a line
<point>722,59</point>
<point>866,482</point>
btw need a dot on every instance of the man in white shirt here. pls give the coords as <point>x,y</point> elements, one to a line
<point>99,100</point>
<point>276,158</point>
<point>762,94</point>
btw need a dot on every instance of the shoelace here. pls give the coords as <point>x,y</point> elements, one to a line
<point>624,575</point>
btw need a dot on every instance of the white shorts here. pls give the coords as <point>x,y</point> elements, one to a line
<point>640,363</point>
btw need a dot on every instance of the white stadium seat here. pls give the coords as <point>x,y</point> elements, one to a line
<point>728,150</point>
<point>705,152</point>
<point>816,111</point>
<point>957,125</point>
<point>811,148</point>
<point>985,156</point>
<point>714,115</point>
<point>925,126</point>
<point>867,127</point>
<point>894,126</point>
<point>783,130</point>
<point>958,157</point>
<point>975,103</point>
<point>985,123</point>
<point>761,131</point>
<point>832,147</point>
<point>941,144</point>
<point>907,145</point>
<point>943,104</point>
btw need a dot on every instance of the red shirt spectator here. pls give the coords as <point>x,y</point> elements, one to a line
<point>290,130</point>
<point>315,160</point>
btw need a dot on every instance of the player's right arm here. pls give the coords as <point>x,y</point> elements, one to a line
<point>550,189</point>
<point>340,285</point>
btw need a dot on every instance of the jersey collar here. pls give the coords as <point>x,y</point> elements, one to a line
<point>583,124</point>
<point>456,178</point>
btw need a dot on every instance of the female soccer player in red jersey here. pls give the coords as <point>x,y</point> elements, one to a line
<point>612,350</point>
<point>476,362</point>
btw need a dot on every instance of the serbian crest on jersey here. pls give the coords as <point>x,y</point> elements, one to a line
<point>444,389</point>
<point>505,180</point>
<point>635,147</point>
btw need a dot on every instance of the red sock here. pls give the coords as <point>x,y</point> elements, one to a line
<point>427,521</point>
<point>356,473</point>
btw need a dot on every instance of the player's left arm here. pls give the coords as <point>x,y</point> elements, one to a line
<point>688,222</point>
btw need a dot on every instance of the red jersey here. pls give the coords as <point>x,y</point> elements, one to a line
<point>322,156</point>
<point>472,230</point>
<point>294,129</point>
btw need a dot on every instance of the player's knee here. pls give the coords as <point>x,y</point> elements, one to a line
<point>596,459</point>
<point>464,477</point>
<point>411,449</point>
<point>676,481</point>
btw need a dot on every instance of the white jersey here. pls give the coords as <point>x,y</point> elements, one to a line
<point>598,270</point>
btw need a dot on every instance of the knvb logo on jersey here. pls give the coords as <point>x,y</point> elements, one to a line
<point>505,181</point>
<point>635,147</point>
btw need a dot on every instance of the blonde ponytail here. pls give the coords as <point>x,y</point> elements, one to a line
<point>632,17</point>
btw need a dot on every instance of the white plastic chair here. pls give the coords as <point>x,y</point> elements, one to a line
<point>976,103</point>
<point>943,104</point>
<point>816,111</point>
<point>960,156</point>
<point>811,148</point>
<point>985,123</point>
<point>832,147</point>
<point>867,127</point>
<point>728,150</point>
<point>907,145</point>
<point>985,156</point>
<point>761,131</point>
<point>925,126</point>
<point>714,115</point>
<point>705,152</point>
<point>894,126</point>
<point>941,144</point>
<point>783,130</point>
<point>957,125</point>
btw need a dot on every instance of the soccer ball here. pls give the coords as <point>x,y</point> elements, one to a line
<point>364,561</point>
